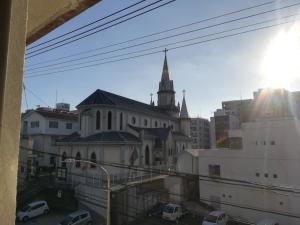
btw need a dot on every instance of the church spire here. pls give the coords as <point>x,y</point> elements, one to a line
<point>184,112</point>
<point>165,73</point>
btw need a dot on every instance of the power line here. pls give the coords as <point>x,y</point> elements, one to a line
<point>97,31</point>
<point>25,96</point>
<point>160,32</point>
<point>35,95</point>
<point>87,25</point>
<point>181,174</point>
<point>156,52</point>
<point>143,50</point>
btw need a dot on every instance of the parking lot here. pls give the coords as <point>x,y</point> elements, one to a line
<point>186,220</point>
<point>53,219</point>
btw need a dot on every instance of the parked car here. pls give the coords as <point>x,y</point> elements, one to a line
<point>80,217</point>
<point>172,212</point>
<point>157,210</point>
<point>32,209</point>
<point>267,222</point>
<point>215,218</point>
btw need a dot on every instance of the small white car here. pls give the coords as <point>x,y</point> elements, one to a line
<point>215,218</point>
<point>172,212</point>
<point>267,222</point>
<point>80,217</point>
<point>32,209</point>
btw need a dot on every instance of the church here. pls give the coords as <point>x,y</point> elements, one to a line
<point>120,130</point>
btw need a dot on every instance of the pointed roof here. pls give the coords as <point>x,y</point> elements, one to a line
<point>165,73</point>
<point>184,112</point>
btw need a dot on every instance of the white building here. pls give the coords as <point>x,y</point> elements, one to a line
<point>270,158</point>
<point>115,129</point>
<point>200,133</point>
<point>45,126</point>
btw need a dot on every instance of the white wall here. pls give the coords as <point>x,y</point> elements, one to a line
<point>271,148</point>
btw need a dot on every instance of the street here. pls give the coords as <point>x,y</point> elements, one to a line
<point>186,220</point>
<point>52,219</point>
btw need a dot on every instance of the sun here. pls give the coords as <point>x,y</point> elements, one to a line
<point>280,64</point>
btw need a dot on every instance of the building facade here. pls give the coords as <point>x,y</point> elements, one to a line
<point>200,133</point>
<point>44,126</point>
<point>261,177</point>
<point>121,131</point>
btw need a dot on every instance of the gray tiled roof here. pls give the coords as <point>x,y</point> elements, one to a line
<point>110,136</point>
<point>100,97</point>
<point>160,133</point>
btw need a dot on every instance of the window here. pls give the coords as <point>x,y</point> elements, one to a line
<point>52,160</point>
<point>272,142</point>
<point>165,125</point>
<point>78,157</point>
<point>98,120</point>
<point>147,156</point>
<point>121,121</point>
<point>109,120</point>
<point>63,158</point>
<point>93,159</point>
<point>275,176</point>
<point>22,169</point>
<point>25,126</point>
<point>266,175</point>
<point>35,124</point>
<point>214,170</point>
<point>75,219</point>
<point>69,126</point>
<point>133,120</point>
<point>257,174</point>
<point>145,122</point>
<point>53,124</point>
<point>156,124</point>
<point>84,216</point>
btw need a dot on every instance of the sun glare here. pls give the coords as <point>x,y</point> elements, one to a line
<point>280,63</point>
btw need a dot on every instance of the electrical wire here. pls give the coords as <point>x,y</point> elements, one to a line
<point>40,51</point>
<point>143,50</point>
<point>87,25</point>
<point>160,32</point>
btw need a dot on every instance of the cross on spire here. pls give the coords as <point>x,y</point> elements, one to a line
<point>165,73</point>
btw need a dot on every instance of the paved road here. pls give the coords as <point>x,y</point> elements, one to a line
<point>51,219</point>
<point>187,220</point>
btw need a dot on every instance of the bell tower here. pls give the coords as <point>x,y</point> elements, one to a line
<point>166,93</point>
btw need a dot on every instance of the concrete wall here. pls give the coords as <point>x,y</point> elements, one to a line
<point>12,42</point>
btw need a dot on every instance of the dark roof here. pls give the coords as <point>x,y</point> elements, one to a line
<point>179,134</point>
<point>110,136</point>
<point>100,97</point>
<point>160,133</point>
<point>58,115</point>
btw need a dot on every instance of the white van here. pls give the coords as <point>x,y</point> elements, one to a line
<point>80,217</point>
<point>32,209</point>
<point>215,218</point>
<point>172,212</point>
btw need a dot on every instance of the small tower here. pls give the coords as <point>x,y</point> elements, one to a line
<point>151,101</point>
<point>185,121</point>
<point>166,93</point>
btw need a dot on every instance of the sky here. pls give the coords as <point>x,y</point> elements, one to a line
<point>211,72</point>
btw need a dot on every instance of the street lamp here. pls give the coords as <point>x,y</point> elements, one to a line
<point>108,183</point>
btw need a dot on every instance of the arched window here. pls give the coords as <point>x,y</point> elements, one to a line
<point>147,156</point>
<point>109,120</point>
<point>93,159</point>
<point>77,157</point>
<point>183,148</point>
<point>63,158</point>
<point>133,120</point>
<point>98,120</point>
<point>145,122</point>
<point>156,124</point>
<point>165,125</point>
<point>121,121</point>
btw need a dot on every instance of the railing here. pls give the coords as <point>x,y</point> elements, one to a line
<point>131,175</point>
